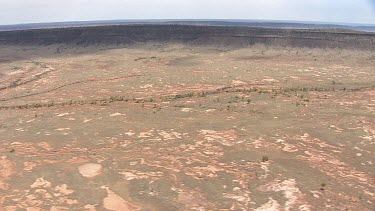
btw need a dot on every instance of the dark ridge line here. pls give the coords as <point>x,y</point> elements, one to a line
<point>117,36</point>
<point>168,98</point>
<point>68,84</point>
<point>14,84</point>
<point>198,22</point>
<point>194,26</point>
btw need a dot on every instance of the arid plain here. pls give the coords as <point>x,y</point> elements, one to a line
<point>177,127</point>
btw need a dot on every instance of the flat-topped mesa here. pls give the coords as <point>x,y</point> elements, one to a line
<point>215,36</point>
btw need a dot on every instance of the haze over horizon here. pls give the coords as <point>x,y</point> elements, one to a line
<point>43,11</point>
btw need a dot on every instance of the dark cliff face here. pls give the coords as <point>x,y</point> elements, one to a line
<point>219,36</point>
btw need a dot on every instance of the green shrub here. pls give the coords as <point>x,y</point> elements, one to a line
<point>322,186</point>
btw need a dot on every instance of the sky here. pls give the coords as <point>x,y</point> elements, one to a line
<point>38,11</point>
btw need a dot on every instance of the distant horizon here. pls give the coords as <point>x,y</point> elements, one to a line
<point>200,20</point>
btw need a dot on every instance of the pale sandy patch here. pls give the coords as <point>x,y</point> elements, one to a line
<point>87,120</point>
<point>58,208</point>
<point>89,207</point>
<point>146,134</point>
<point>186,110</point>
<point>28,166</point>
<point>41,183</point>
<point>241,197</point>
<point>169,136</point>
<point>63,189</point>
<point>90,170</point>
<point>31,120</point>
<point>238,82</point>
<point>7,168</point>
<point>209,171</point>
<point>335,128</point>
<point>146,86</point>
<point>270,80</point>
<point>265,167</point>
<point>140,175</point>
<point>116,203</point>
<point>287,147</point>
<point>117,114</point>
<point>63,114</point>
<point>226,137</point>
<point>62,129</point>
<point>291,192</point>
<point>130,133</point>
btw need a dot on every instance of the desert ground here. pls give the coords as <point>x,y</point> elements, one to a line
<point>177,127</point>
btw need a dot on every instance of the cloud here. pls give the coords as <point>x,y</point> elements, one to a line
<point>21,11</point>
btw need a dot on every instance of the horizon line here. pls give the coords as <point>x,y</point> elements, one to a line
<point>200,20</point>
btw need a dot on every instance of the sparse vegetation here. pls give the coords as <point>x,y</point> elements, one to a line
<point>113,99</point>
<point>322,186</point>
<point>265,158</point>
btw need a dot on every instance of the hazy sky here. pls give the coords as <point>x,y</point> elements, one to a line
<point>32,11</point>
